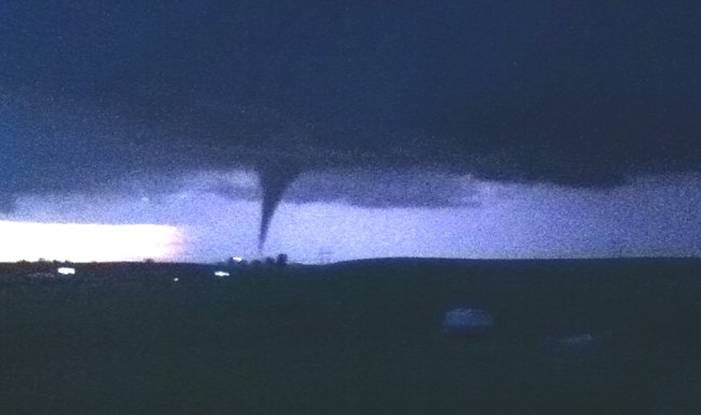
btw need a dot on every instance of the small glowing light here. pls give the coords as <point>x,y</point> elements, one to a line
<point>221,274</point>
<point>237,259</point>
<point>66,271</point>
<point>176,279</point>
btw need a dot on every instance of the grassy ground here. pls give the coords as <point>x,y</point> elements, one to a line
<point>354,338</point>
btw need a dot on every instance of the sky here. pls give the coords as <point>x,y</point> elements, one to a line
<point>484,129</point>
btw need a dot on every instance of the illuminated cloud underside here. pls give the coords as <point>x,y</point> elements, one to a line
<point>87,242</point>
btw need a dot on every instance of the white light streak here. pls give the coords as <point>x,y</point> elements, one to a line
<point>66,271</point>
<point>32,241</point>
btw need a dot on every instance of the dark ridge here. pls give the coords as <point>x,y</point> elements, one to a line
<point>411,263</point>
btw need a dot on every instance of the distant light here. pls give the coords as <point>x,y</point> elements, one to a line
<point>221,274</point>
<point>66,271</point>
<point>176,279</point>
<point>237,259</point>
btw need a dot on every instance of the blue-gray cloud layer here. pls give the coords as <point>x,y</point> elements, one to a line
<point>571,92</point>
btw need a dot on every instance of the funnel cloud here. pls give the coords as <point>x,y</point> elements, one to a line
<point>274,179</point>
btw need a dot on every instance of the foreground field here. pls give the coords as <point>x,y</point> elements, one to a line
<point>607,337</point>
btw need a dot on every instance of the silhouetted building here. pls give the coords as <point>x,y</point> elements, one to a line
<point>282,260</point>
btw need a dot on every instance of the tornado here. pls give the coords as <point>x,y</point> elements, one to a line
<point>275,178</point>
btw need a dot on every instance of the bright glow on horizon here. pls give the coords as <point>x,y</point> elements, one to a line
<point>87,242</point>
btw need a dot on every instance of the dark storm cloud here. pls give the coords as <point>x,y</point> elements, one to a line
<point>7,203</point>
<point>570,92</point>
<point>385,189</point>
<point>361,188</point>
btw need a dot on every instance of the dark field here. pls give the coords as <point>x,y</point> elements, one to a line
<point>354,338</point>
